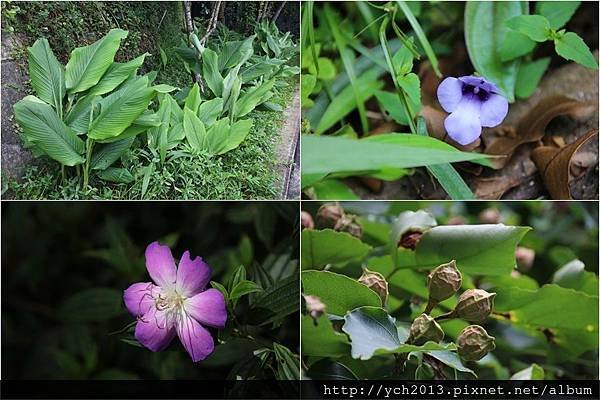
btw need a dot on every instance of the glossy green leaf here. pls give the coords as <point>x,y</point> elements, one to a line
<point>529,76</point>
<point>99,304</point>
<point>330,370</point>
<point>43,128</point>
<point>47,74</point>
<point>288,364</point>
<point>339,293</point>
<point>451,359</point>
<point>116,175</point>
<point>571,47</point>
<point>322,247</point>
<point>106,154</point>
<point>217,135</point>
<point>236,135</point>
<point>252,98</point>
<point>485,31</point>
<point>78,118</point>
<point>319,339</point>
<point>209,111</point>
<point>195,132</point>
<point>116,74</point>
<point>515,45</point>
<point>88,64</point>
<point>278,301</point>
<point>535,27</point>
<point>193,99</point>
<point>211,74</point>
<point>557,12</point>
<point>235,53</point>
<point>574,276</point>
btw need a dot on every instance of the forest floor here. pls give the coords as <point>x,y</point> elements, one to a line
<point>288,151</point>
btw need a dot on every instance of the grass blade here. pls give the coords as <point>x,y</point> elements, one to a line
<point>445,174</point>
<point>421,36</point>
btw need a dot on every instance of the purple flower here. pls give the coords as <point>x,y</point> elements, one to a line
<point>177,303</point>
<point>472,103</point>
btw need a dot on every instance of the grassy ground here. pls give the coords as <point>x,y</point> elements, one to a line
<point>248,172</point>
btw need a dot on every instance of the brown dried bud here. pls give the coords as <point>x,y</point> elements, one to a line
<point>376,282</point>
<point>306,220</point>
<point>525,258</point>
<point>314,306</point>
<point>410,239</point>
<point>490,216</point>
<point>424,329</point>
<point>444,281</point>
<point>474,305</point>
<point>329,214</point>
<point>474,343</point>
<point>348,224</point>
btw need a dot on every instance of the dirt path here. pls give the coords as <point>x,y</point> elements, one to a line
<point>288,165</point>
<point>14,156</point>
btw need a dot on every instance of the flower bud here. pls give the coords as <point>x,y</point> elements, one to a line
<point>444,281</point>
<point>306,220</point>
<point>329,214</point>
<point>490,216</point>
<point>424,329</point>
<point>474,305</point>
<point>376,282</point>
<point>474,343</point>
<point>525,258</point>
<point>348,224</point>
<point>410,239</point>
<point>314,306</point>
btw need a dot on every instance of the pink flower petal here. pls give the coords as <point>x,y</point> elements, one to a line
<point>192,275</point>
<point>160,265</point>
<point>197,341</point>
<point>139,297</point>
<point>208,308</point>
<point>154,330</point>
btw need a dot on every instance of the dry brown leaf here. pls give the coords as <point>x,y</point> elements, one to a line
<point>494,188</point>
<point>554,165</point>
<point>532,126</point>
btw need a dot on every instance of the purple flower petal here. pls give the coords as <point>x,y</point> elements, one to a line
<point>197,340</point>
<point>154,330</point>
<point>208,308</point>
<point>192,275</point>
<point>449,93</point>
<point>463,124</point>
<point>160,265</point>
<point>493,111</point>
<point>480,82</point>
<point>139,297</point>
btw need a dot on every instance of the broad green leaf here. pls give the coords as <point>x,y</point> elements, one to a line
<point>211,74</point>
<point>262,68</point>
<point>43,128</point>
<point>116,74</point>
<point>87,64</point>
<point>235,53</point>
<point>571,47</point>
<point>322,247</point>
<point>330,370</point>
<point>574,276</point>
<point>164,113</point>
<point>485,30</point>
<point>210,111</point>
<point>252,98</point>
<point>319,339</point>
<point>176,133</point>
<point>410,221</point>
<point>535,27</point>
<point>217,136</point>
<point>106,154</point>
<point>120,109</point>
<point>78,118</point>
<point>288,364</point>
<point>132,131</point>
<point>307,84</point>
<point>99,304</point>
<point>327,70</point>
<point>243,288</point>
<point>333,189</point>
<point>47,74</point>
<point>344,102</point>
<point>558,13</point>
<point>403,60</point>
<point>193,99</point>
<point>515,45</point>
<point>277,301</point>
<point>195,131</point>
<point>237,134</point>
<point>529,76</point>
<point>148,119</point>
<point>451,359</point>
<point>232,85</point>
<point>323,155</point>
<point>339,293</point>
<point>477,249</point>
<point>534,373</point>
<point>392,104</point>
<point>116,175</point>
<point>373,331</point>
<point>162,88</point>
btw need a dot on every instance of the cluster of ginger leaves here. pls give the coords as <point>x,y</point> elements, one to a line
<point>368,287</point>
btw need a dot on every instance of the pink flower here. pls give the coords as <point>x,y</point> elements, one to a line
<point>177,303</point>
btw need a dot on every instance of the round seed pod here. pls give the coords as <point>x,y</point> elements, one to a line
<point>424,329</point>
<point>474,343</point>
<point>328,215</point>
<point>444,281</point>
<point>376,282</point>
<point>347,223</point>
<point>474,305</point>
